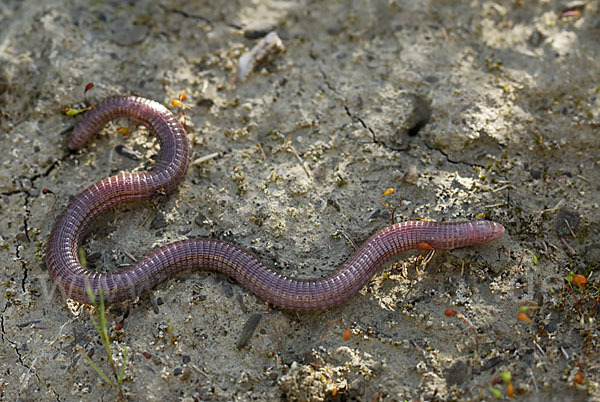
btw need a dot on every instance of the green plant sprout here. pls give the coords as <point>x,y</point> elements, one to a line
<point>102,330</point>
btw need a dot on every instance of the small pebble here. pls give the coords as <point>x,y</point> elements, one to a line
<point>264,52</point>
<point>411,175</point>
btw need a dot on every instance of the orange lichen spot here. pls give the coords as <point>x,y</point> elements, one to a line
<point>578,378</point>
<point>347,334</point>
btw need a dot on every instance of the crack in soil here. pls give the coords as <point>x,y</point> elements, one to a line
<point>2,323</point>
<point>357,118</point>
<point>196,16</point>
<point>16,349</point>
<point>445,155</point>
<point>362,122</point>
<point>24,266</point>
<point>28,194</point>
<point>352,116</point>
<point>30,368</point>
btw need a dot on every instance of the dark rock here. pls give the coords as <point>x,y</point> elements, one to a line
<point>248,330</point>
<point>158,222</point>
<point>374,214</point>
<point>573,6</point>
<point>124,33</point>
<point>457,373</point>
<point>565,219</point>
<point>200,219</point>
<point>491,363</point>
<point>228,289</point>
<point>22,237</point>
<point>3,82</point>
<point>258,29</point>
<point>552,325</point>
<point>128,153</point>
<point>357,387</point>
<point>536,38</point>
<point>535,174</point>
<point>592,255</point>
<point>205,102</point>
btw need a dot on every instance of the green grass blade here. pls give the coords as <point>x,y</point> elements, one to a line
<point>89,359</point>
<point>91,295</point>
<point>103,329</point>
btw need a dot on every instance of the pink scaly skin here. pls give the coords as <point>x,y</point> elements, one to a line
<point>73,279</point>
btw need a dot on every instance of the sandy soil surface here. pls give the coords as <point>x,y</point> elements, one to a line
<point>496,105</point>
